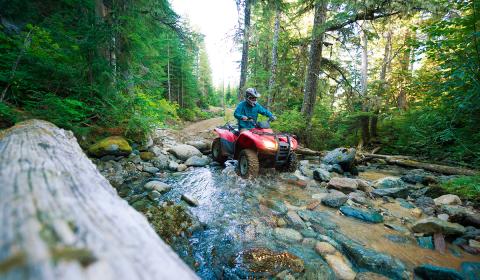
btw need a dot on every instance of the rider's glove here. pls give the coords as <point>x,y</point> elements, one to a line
<point>272,118</point>
<point>244,118</point>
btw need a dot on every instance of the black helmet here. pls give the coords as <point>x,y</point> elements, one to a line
<point>251,96</point>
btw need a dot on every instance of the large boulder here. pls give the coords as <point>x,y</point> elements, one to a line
<point>345,157</point>
<point>335,199</point>
<point>161,162</point>
<point>157,186</point>
<point>428,271</point>
<point>367,215</point>
<point>184,152</point>
<point>391,192</point>
<point>435,225</point>
<point>418,176</point>
<point>461,215</point>
<point>345,185</point>
<point>389,182</point>
<point>201,145</point>
<point>114,145</point>
<point>321,175</point>
<point>287,234</point>
<point>448,199</point>
<point>197,161</point>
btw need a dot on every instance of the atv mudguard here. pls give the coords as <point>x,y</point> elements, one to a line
<point>227,141</point>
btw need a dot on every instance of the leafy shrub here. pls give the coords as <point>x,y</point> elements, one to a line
<point>8,116</point>
<point>464,186</point>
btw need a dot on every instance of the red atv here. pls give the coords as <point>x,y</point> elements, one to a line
<point>255,148</point>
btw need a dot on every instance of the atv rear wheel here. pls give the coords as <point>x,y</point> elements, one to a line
<point>217,151</point>
<point>291,165</point>
<point>248,165</point>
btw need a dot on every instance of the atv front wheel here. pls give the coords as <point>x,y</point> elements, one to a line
<point>217,151</point>
<point>291,165</point>
<point>248,165</point>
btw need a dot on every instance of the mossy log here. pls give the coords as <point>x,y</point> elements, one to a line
<point>408,162</point>
<point>61,219</point>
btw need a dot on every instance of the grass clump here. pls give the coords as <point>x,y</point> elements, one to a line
<point>465,186</point>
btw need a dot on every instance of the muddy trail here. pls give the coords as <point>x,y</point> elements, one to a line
<point>382,223</point>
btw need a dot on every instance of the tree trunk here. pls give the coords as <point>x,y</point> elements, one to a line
<point>62,219</point>
<point>405,64</point>
<point>364,120</point>
<point>244,63</point>
<point>273,66</point>
<point>168,72</point>
<point>407,162</point>
<point>314,61</point>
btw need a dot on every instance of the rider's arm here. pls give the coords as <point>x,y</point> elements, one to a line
<point>264,111</point>
<point>238,112</point>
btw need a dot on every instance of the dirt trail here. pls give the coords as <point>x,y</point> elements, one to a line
<point>202,129</point>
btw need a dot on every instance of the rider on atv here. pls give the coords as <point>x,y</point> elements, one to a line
<point>247,111</point>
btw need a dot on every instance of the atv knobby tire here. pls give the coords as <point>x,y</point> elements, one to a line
<point>217,151</point>
<point>291,165</point>
<point>248,165</point>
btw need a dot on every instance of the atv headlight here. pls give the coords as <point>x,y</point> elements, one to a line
<point>271,145</point>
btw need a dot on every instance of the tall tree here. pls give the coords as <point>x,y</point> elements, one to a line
<point>273,65</point>
<point>245,43</point>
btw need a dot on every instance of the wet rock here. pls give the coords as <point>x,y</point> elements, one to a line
<point>474,243</point>
<point>277,206</point>
<point>313,204</point>
<point>345,157</point>
<point>443,217</point>
<point>404,203</point>
<point>340,266</point>
<point>190,200</point>
<point>324,248</point>
<point>308,233</point>
<point>345,185</point>
<point>114,145</point>
<point>161,162</point>
<point>370,276</point>
<point>435,225</point>
<point>388,182</point>
<point>425,242</point>
<point>367,215</point>
<point>153,195</point>
<point>427,205</point>
<point>335,168</point>
<point>197,161</point>
<point>335,199</point>
<point>461,215</point>
<point>392,192</point>
<point>360,198</point>
<point>150,169</point>
<point>318,269</point>
<point>316,217</point>
<point>419,176</point>
<point>448,199</point>
<point>471,270</point>
<point>182,167</point>
<point>295,220</point>
<point>419,192</point>
<point>157,186</point>
<point>398,228</point>
<point>172,166</point>
<point>397,238</point>
<point>281,222</point>
<point>319,196</point>
<point>156,150</point>
<point>147,155</point>
<point>309,242</point>
<point>184,152</point>
<point>428,271</point>
<point>364,185</point>
<point>370,259</point>
<point>321,175</point>
<point>141,205</point>
<point>201,145</point>
<point>287,234</point>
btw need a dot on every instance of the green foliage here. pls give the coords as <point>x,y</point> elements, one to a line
<point>8,116</point>
<point>464,186</point>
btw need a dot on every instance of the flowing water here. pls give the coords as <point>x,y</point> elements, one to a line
<point>236,218</point>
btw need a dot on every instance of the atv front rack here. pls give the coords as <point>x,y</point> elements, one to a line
<point>284,149</point>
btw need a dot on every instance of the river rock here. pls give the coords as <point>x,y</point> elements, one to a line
<point>190,200</point>
<point>147,155</point>
<point>427,204</point>
<point>360,198</point>
<point>316,217</point>
<point>345,157</point>
<point>181,167</point>
<point>324,248</point>
<point>366,215</point>
<point>388,182</point>
<point>364,185</point>
<point>428,271</point>
<point>277,206</point>
<point>321,175</point>
<point>448,199</point>
<point>156,150</point>
<point>345,185</point>
<point>184,152</point>
<point>318,269</point>
<point>471,270</point>
<point>340,267</point>
<point>153,195</point>
<point>151,169</point>
<point>287,234</point>
<point>173,166</point>
<point>461,215</point>
<point>270,262</point>
<point>425,242</point>
<point>391,192</point>
<point>114,145</point>
<point>432,225</point>
<point>370,259</point>
<point>157,186</point>
<point>201,145</point>
<point>197,161</point>
<point>294,219</point>
<point>418,176</point>
<point>161,162</point>
<point>335,199</point>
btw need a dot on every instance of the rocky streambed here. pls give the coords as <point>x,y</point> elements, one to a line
<point>328,220</point>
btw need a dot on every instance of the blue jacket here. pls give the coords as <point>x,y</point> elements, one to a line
<point>246,110</point>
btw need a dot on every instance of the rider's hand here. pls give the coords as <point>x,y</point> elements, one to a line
<point>272,118</point>
<point>244,118</point>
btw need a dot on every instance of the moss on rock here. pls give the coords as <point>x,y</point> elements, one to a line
<point>114,145</point>
<point>169,221</point>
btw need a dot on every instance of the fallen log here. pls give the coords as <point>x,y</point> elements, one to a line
<point>409,162</point>
<point>308,152</point>
<point>60,218</point>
